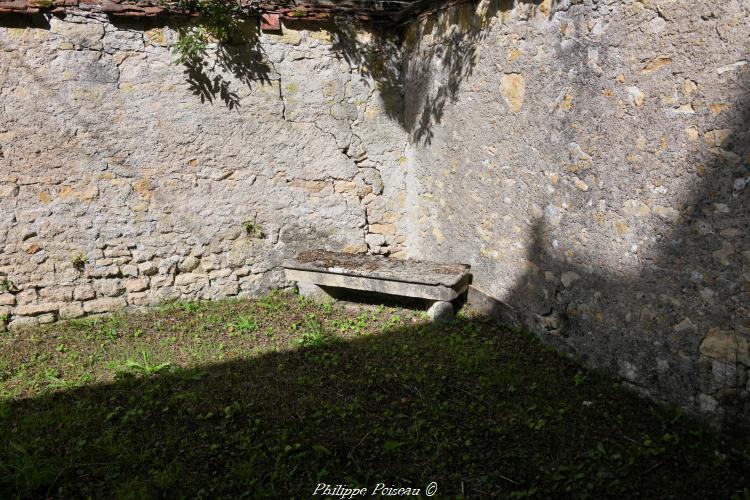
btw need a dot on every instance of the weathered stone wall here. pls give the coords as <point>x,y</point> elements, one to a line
<point>127,180</point>
<point>591,160</point>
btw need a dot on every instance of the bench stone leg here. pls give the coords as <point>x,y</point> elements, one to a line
<point>312,292</point>
<point>441,312</point>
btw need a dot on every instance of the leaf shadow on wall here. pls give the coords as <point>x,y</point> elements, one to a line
<point>386,55</point>
<point>649,326</point>
<point>441,55</point>
<point>212,71</point>
<point>208,81</point>
<point>405,58</point>
<point>215,72</point>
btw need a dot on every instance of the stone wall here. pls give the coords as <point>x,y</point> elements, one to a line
<point>591,160</point>
<point>127,179</point>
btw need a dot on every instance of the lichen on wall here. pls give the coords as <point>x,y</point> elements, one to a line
<point>127,179</point>
<point>590,160</point>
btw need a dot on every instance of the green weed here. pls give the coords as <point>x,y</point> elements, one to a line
<point>311,332</point>
<point>322,394</point>
<point>145,366</point>
<point>253,229</point>
<point>79,261</point>
<point>7,286</point>
<point>244,324</point>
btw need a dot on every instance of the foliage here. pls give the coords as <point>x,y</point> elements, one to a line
<point>253,229</point>
<point>7,285</point>
<point>220,19</point>
<point>79,261</point>
<point>145,366</point>
<point>311,332</point>
<point>221,42</point>
<point>244,324</point>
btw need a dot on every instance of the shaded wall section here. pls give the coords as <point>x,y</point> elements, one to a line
<point>127,179</point>
<point>590,160</point>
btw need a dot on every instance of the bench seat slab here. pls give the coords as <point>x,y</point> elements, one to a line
<point>416,290</point>
<point>376,267</point>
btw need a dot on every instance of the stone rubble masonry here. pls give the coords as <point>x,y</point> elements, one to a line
<point>591,160</point>
<point>121,185</point>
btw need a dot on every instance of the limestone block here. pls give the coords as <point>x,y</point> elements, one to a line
<point>219,274</point>
<point>726,345</point>
<point>441,312</point>
<point>23,322</point>
<point>81,35</point>
<point>162,280</point>
<point>37,309</point>
<point>104,305</point>
<point>185,279</point>
<point>228,289</point>
<point>382,229</point>
<point>136,285</point>
<point>355,248</point>
<point>138,299</point>
<point>106,271</point>
<point>210,262</point>
<point>148,268</point>
<point>240,252</point>
<point>108,287</point>
<point>57,294</point>
<point>130,271</point>
<point>142,256</point>
<point>84,292</point>
<point>26,296</point>
<point>375,240</point>
<point>7,299</point>
<point>242,271</point>
<point>46,318</point>
<point>188,264</point>
<point>72,310</point>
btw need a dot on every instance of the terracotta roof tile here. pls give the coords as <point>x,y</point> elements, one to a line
<point>366,10</point>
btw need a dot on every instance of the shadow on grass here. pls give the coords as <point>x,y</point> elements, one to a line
<point>481,411</point>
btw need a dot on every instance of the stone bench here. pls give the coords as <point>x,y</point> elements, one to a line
<point>316,270</point>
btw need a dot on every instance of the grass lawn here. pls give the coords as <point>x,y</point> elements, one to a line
<point>272,397</point>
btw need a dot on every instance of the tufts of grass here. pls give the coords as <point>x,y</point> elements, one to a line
<point>167,403</point>
<point>243,325</point>
<point>311,332</point>
<point>144,366</point>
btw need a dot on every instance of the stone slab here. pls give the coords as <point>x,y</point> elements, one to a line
<point>425,280</point>
<point>381,268</point>
<point>416,290</point>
